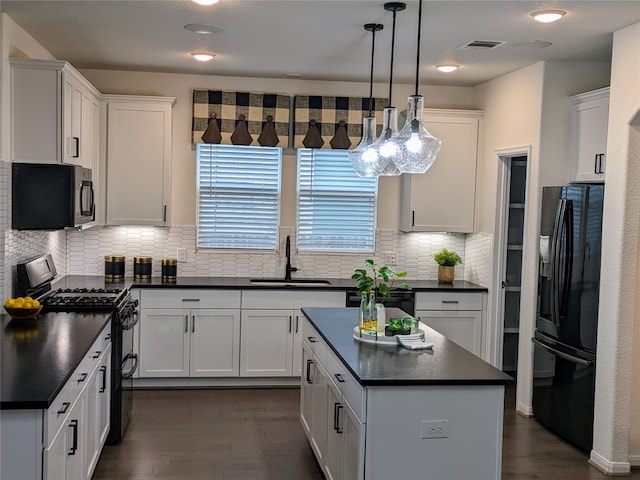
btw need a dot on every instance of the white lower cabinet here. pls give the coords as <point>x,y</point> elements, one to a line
<point>313,402</point>
<point>63,442</point>
<point>458,316</point>
<point>266,346</point>
<point>333,410</point>
<point>271,326</point>
<point>189,342</point>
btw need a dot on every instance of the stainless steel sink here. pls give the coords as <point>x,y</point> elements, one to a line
<point>296,282</point>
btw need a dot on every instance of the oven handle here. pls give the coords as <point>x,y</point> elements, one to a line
<point>130,373</point>
<point>135,318</point>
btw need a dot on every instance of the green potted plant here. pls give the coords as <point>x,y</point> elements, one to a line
<point>446,260</point>
<point>375,281</point>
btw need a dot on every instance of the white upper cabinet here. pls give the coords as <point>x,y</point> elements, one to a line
<point>51,114</point>
<point>138,162</point>
<point>443,199</point>
<point>589,124</point>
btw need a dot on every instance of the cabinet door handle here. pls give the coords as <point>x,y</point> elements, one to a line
<point>193,323</point>
<point>97,354</point>
<point>597,164</point>
<point>164,214</point>
<point>186,323</point>
<point>297,322</point>
<point>190,299</point>
<point>83,377</point>
<point>76,140</point>
<point>312,339</point>
<point>336,407</point>
<point>73,425</point>
<point>450,301</point>
<point>413,218</point>
<point>107,337</point>
<point>337,425</point>
<point>103,386</point>
<point>290,323</point>
<point>65,407</point>
<point>309,363</point>
<point>339,377</point>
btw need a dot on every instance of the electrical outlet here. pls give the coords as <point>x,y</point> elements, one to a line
<point>435,429</point>
<point>391,258</point>
<point>181,254</point>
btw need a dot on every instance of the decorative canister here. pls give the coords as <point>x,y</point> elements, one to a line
<point>114,268</point>
<point>142,268</point>
<point>169,269</point>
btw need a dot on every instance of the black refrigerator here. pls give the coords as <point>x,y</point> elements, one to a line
<point>567,313</point>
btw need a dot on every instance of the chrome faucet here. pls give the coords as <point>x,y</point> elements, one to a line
<point>289,268</point>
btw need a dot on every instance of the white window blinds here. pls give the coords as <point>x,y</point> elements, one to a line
<point>336,208</point>
<point>238,196</point>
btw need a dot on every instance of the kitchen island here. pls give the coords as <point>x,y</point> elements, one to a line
<point>377,412</point>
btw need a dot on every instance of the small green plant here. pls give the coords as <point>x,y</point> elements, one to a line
<point>447,258</point>
<point>377,279</point>
<point>396,325</point>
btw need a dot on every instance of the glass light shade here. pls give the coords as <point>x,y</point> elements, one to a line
<point>385,146</point>
<point>364,158</point>
<point>416,148</point>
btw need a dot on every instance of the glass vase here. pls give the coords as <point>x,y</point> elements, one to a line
<point>368,322</point>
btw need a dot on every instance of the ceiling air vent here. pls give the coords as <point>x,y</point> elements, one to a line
<point>482,44</point>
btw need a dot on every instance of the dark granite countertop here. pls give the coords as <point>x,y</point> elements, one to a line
<point>389,365</point>
<point>71,281</point>
<point>39,355</point>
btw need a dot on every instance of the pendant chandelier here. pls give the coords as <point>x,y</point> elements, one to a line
<point>385,147</point>
<point>363,157</point>
<point>415,148</point>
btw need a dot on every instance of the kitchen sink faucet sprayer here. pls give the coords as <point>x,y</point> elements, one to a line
<point>289,268</point>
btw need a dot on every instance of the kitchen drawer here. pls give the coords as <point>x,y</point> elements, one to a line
<point>315,342</point>
<point>64,401</point>
<point>287,299</point>
<point>449,301</point>
<point>189,298</point>
<point>351,390</point>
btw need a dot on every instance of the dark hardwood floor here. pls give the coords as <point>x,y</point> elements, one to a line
<point>255,434</point>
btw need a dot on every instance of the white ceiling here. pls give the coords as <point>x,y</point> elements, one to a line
<point>320,39</point>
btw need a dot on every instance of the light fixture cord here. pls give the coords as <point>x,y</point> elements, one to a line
<point>373,48</point>
<point>418,54</point>
<point>393,43</point>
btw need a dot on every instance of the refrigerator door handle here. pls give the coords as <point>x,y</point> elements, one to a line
<point>567,270</point>
<point>565,356</point>
<point>554,279</point>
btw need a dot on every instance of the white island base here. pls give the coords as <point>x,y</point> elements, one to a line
<point>398,419</point>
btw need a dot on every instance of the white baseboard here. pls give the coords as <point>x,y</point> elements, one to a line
<point>231,382</point>
<point>524,410</point>
<point>634,460</point>
<point>607,467</point>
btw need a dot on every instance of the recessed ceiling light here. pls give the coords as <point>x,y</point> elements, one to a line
<point>206,2</point>
<point>447,68</point>
<point>203,56</point>
<point>203,28</point>
<point>548,16</point>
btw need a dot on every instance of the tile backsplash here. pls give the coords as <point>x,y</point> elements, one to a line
<point>83,252</point>
<point>86,251</point>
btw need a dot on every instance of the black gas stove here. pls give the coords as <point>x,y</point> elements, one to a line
<point>85,299</point>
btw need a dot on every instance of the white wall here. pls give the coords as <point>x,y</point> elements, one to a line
<point>614,437</point>
<point>526,109</point>
<point>181,86</point>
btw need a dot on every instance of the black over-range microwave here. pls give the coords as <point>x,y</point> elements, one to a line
<point>50,196</point>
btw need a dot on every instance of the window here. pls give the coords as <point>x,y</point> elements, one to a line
<point>336,208</point>
<point>238,196</point>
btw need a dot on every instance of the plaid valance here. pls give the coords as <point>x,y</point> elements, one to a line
<point>241,118</point>
<point>332,122</point>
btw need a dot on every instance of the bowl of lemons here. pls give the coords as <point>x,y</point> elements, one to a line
<point>22,307</point>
